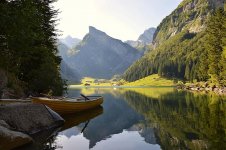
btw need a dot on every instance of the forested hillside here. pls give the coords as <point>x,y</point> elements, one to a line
<point>27,48</point>
<point>189,44</point>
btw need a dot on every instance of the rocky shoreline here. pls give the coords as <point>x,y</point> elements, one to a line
<point>19,121</point>
<point>203,87</point>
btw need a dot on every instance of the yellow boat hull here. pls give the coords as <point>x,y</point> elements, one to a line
<point>69,106</point>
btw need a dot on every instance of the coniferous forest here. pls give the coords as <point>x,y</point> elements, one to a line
<point>188,56</point>
<point>27,47</point>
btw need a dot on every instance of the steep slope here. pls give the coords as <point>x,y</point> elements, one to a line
<point>70,42</point>
<point>179,43</point>
<point>144,42</point>
<point>134,43</point>
<point>62,49</point>
<point>69,74</point>
<point>191,15</point>
<point>144,39</point>
<point>101,56</point>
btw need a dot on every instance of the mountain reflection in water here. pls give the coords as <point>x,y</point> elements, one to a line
<point>146,118</point>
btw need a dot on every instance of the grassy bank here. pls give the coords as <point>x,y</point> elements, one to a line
<point>152,80</point>
<point>88,81</point>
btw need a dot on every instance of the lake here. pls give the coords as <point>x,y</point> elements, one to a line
<point>144,118</point>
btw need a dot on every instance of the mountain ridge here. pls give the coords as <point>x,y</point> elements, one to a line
<point>180,44</point>
<point>101,56</point>
<point>190,15</point>
<point>147,36</point>
<point>69,41</point>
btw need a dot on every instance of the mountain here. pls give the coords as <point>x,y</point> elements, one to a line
<point>101,56</point>
<point>188,44</point>
<point>70,42</point>
<point>116,113</point>
<point>62,49</point>
<point>67,73</point>
<point>134,44</point>
<point>147,36</point>
<point>190,15</point>
<point>144,39</point>
<point>144,42</point>
<point>141,47</point>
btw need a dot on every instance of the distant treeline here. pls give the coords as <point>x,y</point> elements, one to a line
<point>189,56</point>
<point>27,46</point>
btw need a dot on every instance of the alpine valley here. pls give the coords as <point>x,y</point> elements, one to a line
<point>189,44</point>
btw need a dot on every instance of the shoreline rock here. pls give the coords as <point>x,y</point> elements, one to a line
<point>198,87</point>
<point>10,139</point>
<point>19,121</point>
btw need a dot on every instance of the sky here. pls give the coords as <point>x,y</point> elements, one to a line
<point>121,19</point>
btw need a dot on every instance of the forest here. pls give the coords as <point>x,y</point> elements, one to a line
<point>188,56</point>
<point>28,53</point>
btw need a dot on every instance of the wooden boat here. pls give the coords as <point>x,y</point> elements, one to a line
<point>70,105</point>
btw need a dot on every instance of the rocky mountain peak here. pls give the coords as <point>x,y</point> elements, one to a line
<point>95,32</point>
<point>147,36</point>
<point>68,38</point>
<point>99,55</point>
<point>70,41</point>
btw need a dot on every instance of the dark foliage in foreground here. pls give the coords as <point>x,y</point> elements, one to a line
<point>27,46</point>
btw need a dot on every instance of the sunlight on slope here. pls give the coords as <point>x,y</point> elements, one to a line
<point>152,80</point>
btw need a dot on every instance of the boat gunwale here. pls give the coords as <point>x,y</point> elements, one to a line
<point>97,98</point>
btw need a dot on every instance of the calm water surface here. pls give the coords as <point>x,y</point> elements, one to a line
<point>145,119</point>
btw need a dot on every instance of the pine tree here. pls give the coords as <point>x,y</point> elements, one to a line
<point>223,55</point>
<point>214,45</point>
<point>27,44</point>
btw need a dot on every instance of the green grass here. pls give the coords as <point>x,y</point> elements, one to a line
<point>91,82</point>
<point>152,80</point>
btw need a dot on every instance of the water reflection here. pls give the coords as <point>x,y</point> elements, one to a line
<point>184,120</point>
<point>146,118</point>
<point>75,119</point>
<point>117,116</point>
<point>154,118</point>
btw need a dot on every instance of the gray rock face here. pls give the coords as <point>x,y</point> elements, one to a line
<point>29,118</point>
<point>135,44</point>
<point>144,42</point>
<point>70,42</point>
<point>69,74</point>
<point>147,36</point>
<point>101,56</point>
<point>191,15</point>
<point>62,49</point>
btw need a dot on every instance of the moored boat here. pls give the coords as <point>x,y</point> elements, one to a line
<point>70,105</point>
